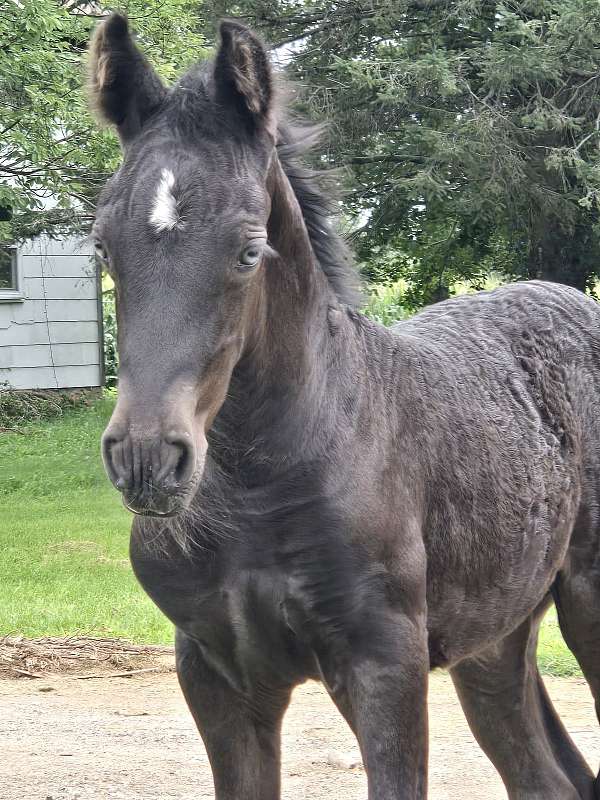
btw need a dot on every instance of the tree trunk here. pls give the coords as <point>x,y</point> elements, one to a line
<point>441,292</point>
<point>563,256</point>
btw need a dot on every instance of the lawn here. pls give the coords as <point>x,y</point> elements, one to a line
<point>64,537</point>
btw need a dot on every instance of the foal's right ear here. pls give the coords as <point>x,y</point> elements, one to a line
<point>124,89</point>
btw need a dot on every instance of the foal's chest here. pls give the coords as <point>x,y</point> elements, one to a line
<point>235,613</point>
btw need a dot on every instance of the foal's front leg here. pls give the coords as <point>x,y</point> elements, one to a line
<point>241,736</point>
<point>380,686</point>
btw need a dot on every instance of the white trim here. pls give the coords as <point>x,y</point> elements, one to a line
<point>14,295</point>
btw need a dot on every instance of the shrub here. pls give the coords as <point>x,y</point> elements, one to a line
<point>18,408</point>
<point>111,357</point>
<point>385,304</point>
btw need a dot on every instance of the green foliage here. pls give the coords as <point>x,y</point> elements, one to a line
<point>109,319</point>
<point>391,301</point>
<point>468,129</point>
<point>417,281</point>
<point>53,156</point>
<point>554,657</point>
<point>386,303</point>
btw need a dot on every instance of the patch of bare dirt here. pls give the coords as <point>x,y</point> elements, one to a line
<point>62,738</point>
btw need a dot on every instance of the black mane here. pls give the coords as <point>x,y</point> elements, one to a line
<point>319,209</point>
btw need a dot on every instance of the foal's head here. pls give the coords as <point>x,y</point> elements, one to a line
<point>181,228</point>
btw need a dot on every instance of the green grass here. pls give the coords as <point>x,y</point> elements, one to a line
<point>64,537</point>
<point>554,657</point>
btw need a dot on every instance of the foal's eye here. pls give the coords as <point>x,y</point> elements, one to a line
<point>250,256</point>
<point>101,253</point>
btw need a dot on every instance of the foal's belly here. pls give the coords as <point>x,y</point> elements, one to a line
<point>497,530</point>
<point>468,611</point>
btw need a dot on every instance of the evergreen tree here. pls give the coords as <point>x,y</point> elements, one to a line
<point>471,128</point>
<point>468,130</point>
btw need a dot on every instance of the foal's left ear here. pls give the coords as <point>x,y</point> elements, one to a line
<point>243,74</point>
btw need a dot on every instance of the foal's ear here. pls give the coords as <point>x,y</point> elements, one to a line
<point>124,89</point>
<point>243,74</point>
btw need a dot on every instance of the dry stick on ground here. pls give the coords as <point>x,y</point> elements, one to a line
<point>117,674</point>
<point>26,672</point>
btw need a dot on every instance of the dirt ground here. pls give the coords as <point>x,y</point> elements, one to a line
<point>63,738</point>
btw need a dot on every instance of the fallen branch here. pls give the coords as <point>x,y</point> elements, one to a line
<point>127,674</point>
<point>26,672</point>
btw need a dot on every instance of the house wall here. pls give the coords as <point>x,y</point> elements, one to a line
<point>51,339</point>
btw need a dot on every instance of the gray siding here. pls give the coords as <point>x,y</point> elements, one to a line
<point>51,338</point>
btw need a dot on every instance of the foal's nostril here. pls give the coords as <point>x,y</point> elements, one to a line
<point>148,467</point>
<point>109,443</point>
<point>181,458</point>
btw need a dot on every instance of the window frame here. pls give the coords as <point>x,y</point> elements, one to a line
<point>14,295</point>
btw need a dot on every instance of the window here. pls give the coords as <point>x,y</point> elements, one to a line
<point>9,274</point>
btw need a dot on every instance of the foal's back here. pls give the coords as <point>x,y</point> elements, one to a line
<point>509,443</point>
<point>536,343</point>
<point>561,319</point>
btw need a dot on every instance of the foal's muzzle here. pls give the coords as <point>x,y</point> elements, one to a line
<point>154,475</point>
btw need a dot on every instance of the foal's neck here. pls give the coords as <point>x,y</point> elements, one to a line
<point>296,292</point>
<point>286,389</point>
